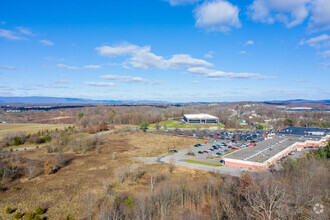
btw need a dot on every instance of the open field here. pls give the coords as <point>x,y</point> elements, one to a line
<point>66,190</point>
<point>28,128</point>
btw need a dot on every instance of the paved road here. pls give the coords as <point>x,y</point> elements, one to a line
<point>233,171</point>
<point>179,157</point>
<point>40,146</point>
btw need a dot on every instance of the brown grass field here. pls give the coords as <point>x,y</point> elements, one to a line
<point>65,191</point>
<point>28,127</point>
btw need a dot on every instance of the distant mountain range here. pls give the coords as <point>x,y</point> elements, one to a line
<point>298,101</point>
<point>55,100</point>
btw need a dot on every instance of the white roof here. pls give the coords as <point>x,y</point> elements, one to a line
<point>200,116</point>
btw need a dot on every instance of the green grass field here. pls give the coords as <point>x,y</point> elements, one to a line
<point>28,128</point>
<point>172,124</point>
<point>203,163</point>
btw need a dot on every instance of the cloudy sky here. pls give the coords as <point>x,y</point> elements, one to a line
<point>168,50</point>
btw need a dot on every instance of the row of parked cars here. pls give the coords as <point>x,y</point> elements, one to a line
<point>213,148</point>
<point>237,135</point>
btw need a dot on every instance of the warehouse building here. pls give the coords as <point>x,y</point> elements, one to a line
<point>273,148</point>
<point>200,119</point>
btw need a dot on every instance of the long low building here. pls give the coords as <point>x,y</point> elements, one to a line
<point>274,147</point>
<point>200,119</point>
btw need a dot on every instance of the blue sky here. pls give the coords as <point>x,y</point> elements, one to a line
<point>168,50</point>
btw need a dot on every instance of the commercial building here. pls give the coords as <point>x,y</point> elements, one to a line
<point>200,119</point>
<point>276,146</point>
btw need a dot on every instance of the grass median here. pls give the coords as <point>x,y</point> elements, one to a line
<point>203,163</point>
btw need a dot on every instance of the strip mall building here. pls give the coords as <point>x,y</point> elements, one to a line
<point>276,146</point>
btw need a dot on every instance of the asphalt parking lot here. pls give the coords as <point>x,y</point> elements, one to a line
<point>207,151</point>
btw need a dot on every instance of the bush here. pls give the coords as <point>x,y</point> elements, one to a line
<point>69,217</point>
<point>40,211</point>
<point>18,141</point>
<point>48,167</point>
<point>18,215</point>
<point>9,210</point>
<point>32,216</point>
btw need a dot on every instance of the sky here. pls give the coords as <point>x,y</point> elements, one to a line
<point>166,50</point>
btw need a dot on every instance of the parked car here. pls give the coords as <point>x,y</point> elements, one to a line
<point>222,161</point>
<point>211,149</point>
<point>200,152</point>
<point>173,151</point>
<point>205,151</point>
<point>219,153</point>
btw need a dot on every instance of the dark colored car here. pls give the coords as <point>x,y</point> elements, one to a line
<point>173,151</point>
<point>211,149</point>
<point>222,161</point>
<point>215,147</point>
<point>205,151</point>
<point>200,152</point>
<point>219,153</point>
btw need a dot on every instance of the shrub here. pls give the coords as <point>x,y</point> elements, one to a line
<point>18,215</point>
<point>48,167</point>
<point>40,211</point>
<point>32,216</point>
<point>2,189</point>
<point>9,210</point>
<point>18,141</point>
<point>69,217</point>
<point>16,187</point>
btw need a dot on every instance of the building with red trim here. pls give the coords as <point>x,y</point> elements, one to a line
<point>276,146</point>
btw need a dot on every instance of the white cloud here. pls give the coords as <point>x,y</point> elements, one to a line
<point>67,67</point>
<point>184,60</point>
<point>10,35</point>
<point>25,31</point>
<point>325,54</point>
<point>221,75</point>
<point>325,65</point>
<point>119,50</point>
<point>92,67</point>
<point>8,67</point>
<point>242,52</point>
<point>61,81</point>
<point>209,54</point>
<point>46,42</point>
<point>316,41</point>
<point>3,22</point>
<point>143,58</point>
<point>320,19</point>
<point>217,15</point>
<point>181,2</point>
<point>289,12</point>
<point>129,79</point>
<point>103,84</point>
<point>249,42</point>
